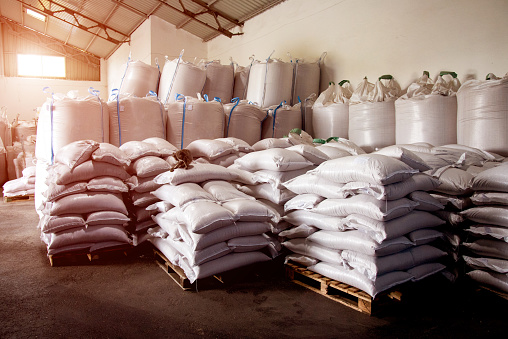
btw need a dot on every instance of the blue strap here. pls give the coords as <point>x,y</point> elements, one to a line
<point>205,96</point>
<point>299,100</point>
<point>96,93</point>
<point>236,101</point>
<point>153,94</point>
<point>217,99</point>
<point>47,90</point>
<point>275,116</point>
<point>180,97</point>
<point>174,76</point>
<point>125,72</point>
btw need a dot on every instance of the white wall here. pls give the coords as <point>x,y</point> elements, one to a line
<point>23,95</point>
<point>375,37</point>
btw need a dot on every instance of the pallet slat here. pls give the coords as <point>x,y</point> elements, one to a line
<point>85,257</point>
<point>335,290</point>
<point>19,198</point>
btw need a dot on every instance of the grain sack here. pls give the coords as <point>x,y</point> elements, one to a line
<point>273,159</point>
<point>493,179</point>
<point>135,118</point>
<point>280,120</point>
<point>492,279</point>
<point>313,184</point>
<point>493,215</point>
<point>67,118</point>
<point>270,82</point>
<point>244,121</point>
<point>482,115</point>
<point>308,248</point>
<point>191,119</point>
<point>427,113</point>
<point>180,77</point>
<point>306,217</point>
<point>330,113</point>
<point>219,80</point>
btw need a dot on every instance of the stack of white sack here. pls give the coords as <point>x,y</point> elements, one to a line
<point>19,156</point>
<point>64,119</point>
<point>191,119</point>
<point>180,77</point>
<point>365,227</point>
<point>148,158</point>
<point>244,120</point>
<point>330,113</point>
<point>219,80</point>
<point>207,226</point>
<point>221,151</point>
<point>280,120</point>
<point>134,118</point>
<point>487,243</point>
<point>428,111</point>
<point>23,186</point>
<point>84,209</point>
<point>139,78</point>
<point>372,113</point>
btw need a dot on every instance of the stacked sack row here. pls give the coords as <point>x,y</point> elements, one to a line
<point>84,209</point>
<point>22,186</point>
<point>487,240</point>
<point>367,223</point>
<point>206,225</point>
<point>146,160</point>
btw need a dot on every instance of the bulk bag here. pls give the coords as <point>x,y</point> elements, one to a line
<point>330,113</point>
<point>372,114</point>
<point>21,130</point>
<point>180,77</point>
<point>427,113</point>
<point>191,119</point>
<point>219,81</point>
<point>482,114</point>
<point>5,130</point>
<point>244,121</point>
<point>270,82</point>
<point>280,120</point>
<point>67,118</point>
<point>139,78</point>
<point>306,78</point>
<point>133,118</point>
<point>241,81</point>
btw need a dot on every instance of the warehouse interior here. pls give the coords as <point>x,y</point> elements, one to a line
<point>441,271</point>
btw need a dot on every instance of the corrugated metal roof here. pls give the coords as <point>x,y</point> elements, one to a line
<point>99,27</point>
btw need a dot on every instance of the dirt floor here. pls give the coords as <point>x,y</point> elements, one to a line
<point>131,297</point>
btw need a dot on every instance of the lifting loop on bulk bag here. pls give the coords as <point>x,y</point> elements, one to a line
<point>236,101</point>
<point>275,116</point>
<point>179,97</point>
<point>95,93</point>
<point>161,107</point>
<point>47,90</point>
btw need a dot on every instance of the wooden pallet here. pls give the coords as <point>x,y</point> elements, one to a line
<point>86,257</point>
<point>19,198</point>
<point>337,291</point>
<point>174,272</point>
<point>501,294</point>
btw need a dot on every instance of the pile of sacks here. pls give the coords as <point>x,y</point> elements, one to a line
<point>207,226</point>
<point>84,210</point>
<point>147,158</point>
<point>487,241</point>
<point>365,222</point>
<point>23,186</point>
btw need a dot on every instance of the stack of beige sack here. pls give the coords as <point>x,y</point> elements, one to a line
<point>487,243</point>
<point>368,226</point>
<point>84,210</point>
<point>22,186</point>
<point>147,160</point>
<point>207,226</point>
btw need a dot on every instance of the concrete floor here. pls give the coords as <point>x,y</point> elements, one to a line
<point>132,297</point>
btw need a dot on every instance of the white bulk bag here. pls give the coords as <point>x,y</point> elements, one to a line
<point>243,121</point>
<point>180,77</point>
<point>133,118</point>
<point>67,118</point>
<point>219,81</point>
<point>270,82</point>
<point>427,114</point>
<point>140,78</point>
<point>372,118</point>
<point>330,113</point>
<point>482,115</point>
<point>306,78</point>
<point>280,120</point>
<point>191,119</point>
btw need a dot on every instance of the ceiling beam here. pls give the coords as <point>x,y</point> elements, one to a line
<point>214,11</point>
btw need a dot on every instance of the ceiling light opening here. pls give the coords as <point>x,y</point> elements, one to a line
<point>36,15</point>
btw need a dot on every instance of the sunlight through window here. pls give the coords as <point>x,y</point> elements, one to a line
<point>41,66</point>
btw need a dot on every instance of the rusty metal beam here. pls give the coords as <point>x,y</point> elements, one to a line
<point>215,12</point>
<point>77,17</point>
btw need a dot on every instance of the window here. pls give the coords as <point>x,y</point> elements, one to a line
<point>41,66</point>
<point>36,15</point>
